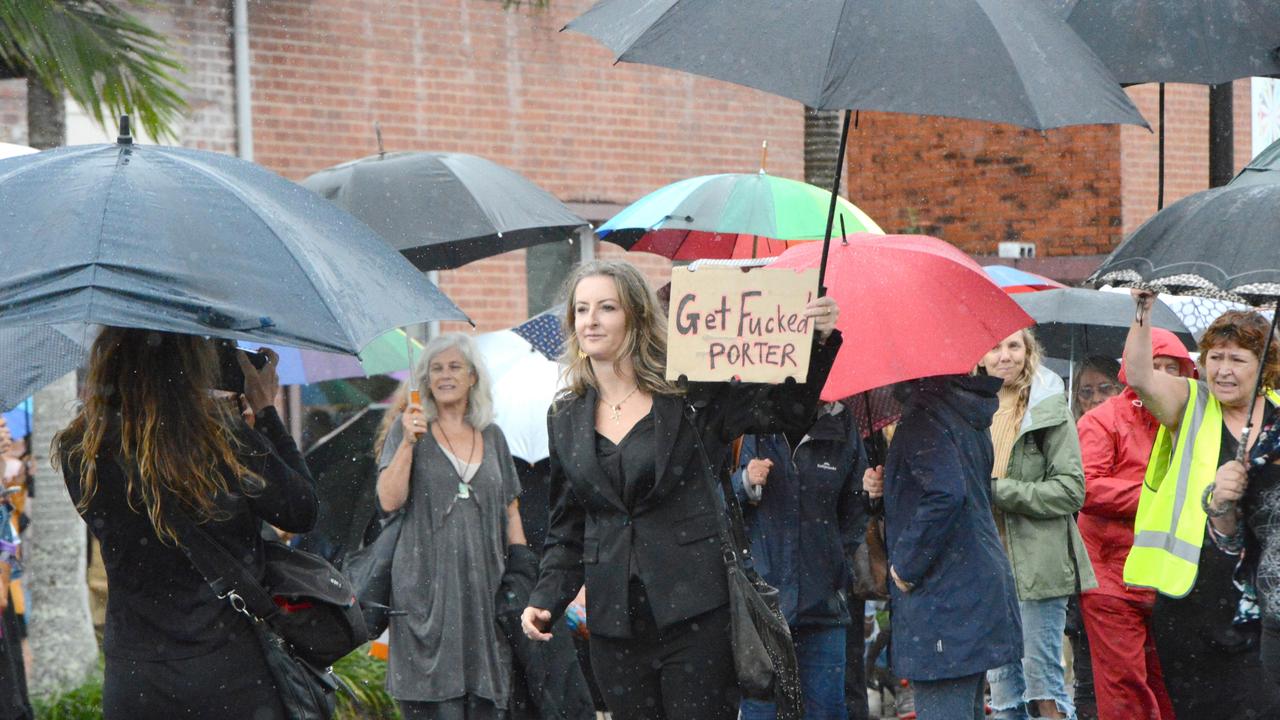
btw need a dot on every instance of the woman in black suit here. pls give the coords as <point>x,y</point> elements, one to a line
<point>634,500</point>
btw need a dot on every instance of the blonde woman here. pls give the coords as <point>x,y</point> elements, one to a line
<point>636,501</point>
<point>1037,484</point>
<point>448,467</point>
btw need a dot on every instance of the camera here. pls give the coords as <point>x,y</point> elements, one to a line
<point>230,376</point>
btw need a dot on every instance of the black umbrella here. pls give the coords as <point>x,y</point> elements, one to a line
<point>1187,41</point>
<point>1074,323</point>
<point>187,241</point>
<point>33,356</point>
<point>443,210</point>
<point>1261,169</point>
<point>1009,61</point>
<point>1218,242</point>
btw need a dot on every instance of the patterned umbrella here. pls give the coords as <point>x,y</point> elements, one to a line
<point>741,215</point>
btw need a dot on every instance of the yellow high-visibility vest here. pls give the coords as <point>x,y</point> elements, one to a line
<point>1170,525</point>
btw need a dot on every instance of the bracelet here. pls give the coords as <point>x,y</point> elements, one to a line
<point>1206,503</point>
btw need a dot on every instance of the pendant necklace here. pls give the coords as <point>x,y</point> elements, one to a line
<point>615,411</point>
<point>464,488</point>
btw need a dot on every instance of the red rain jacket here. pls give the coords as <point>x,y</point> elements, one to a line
<point>1115,444</point>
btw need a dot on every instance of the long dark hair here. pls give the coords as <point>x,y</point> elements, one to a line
<point>147,404</point>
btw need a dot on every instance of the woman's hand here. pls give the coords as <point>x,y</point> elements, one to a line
<point>904,586</point>
<point>414,423</point>
<point>536,623</point>
<point>824,312</point>
<point>1229,484</point>
<point>758,471</point>
<point>260,386</point>
<point>1144,300</point>
<point>873,482</point>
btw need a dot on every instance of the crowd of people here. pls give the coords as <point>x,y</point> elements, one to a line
<point>1009,505</point>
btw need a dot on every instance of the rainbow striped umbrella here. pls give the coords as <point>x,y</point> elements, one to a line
<point>730,215</point>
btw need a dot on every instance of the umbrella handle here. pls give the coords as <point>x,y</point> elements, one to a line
<point>831,209</point>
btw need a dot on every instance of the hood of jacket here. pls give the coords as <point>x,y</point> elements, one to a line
<point>1167,344</point>
<point>1046,403</point>
<point>972,397</point>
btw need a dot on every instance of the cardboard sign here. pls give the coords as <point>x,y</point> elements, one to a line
<point>726,323</point>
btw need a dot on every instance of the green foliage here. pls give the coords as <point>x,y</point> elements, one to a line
<point>103,56</point>
<point>82,703</point>
<point>364,696</point>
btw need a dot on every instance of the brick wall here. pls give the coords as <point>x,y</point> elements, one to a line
<point>1073,191</point>
<point>975,184</point>
<point>468,76</point>
<point>1186,146</point>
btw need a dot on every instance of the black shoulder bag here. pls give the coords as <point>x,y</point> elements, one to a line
<point>304,612</point>
<point>764,655</point>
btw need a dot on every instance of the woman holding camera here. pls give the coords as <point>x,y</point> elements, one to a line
<point>636,501</point>
<point>150,441</point>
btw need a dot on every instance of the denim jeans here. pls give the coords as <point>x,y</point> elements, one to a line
<point>820,650</point>
<point>951,699</point>
<point>1040,675</point>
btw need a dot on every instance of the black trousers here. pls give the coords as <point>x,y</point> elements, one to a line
<point>684,672</point>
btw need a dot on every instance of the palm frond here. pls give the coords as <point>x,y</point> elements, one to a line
<point>105,58</point>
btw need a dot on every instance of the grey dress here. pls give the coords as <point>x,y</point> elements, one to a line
<point>445,574</point>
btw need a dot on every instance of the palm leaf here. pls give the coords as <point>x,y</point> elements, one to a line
<point>106,59</point>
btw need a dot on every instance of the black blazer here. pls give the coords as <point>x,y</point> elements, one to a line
<point>673,531</point>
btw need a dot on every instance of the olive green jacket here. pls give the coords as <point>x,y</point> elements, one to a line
<point>1037,499</point>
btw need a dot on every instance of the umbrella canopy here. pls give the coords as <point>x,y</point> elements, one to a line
<point>913,306</point>
<point>1074,323</point>
<point>443,210</point>
<point>33,356</point>
<point>1216,242</point>
<point>1013,280</point>
<point>544,332</point>
<point>1261,169</point>
<point>387,353</point>
<point>729,216</point>
<point>1187,41</point>
<point>187,241</point>
<point>1009,61</point>
<point>11,150</point>
<point>524,384</point>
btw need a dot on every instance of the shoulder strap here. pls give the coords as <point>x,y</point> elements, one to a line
<point>736,532</point>
<point>226,576</point>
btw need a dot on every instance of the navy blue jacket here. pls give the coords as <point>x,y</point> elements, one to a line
<point>962,616</point>
<point>809,517</point>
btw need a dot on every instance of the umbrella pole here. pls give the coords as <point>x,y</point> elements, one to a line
<point>831,210</point>
<point>414,397</point>
<point>1242,452</point>
<point>1160,170</point>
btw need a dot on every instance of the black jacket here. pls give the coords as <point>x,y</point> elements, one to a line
<point>673,531</point>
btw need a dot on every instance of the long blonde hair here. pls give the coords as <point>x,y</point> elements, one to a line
<point>646,339</point>
<point>172,437</point>
<point>1031,365</point>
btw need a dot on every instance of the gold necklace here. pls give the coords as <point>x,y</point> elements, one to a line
<point>615,411</point>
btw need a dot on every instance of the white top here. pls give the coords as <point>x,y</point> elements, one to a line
<point>466,471</point>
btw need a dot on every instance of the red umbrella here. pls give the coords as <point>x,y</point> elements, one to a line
<point>911,306</point>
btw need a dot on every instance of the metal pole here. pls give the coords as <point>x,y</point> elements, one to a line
<point>244,99</point>
<point>831,209</point>
<point>1160,171</point>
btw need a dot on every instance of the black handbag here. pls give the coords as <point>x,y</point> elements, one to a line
<point>764,655</point>
<point>304,613</point>
<point>369,570</point>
